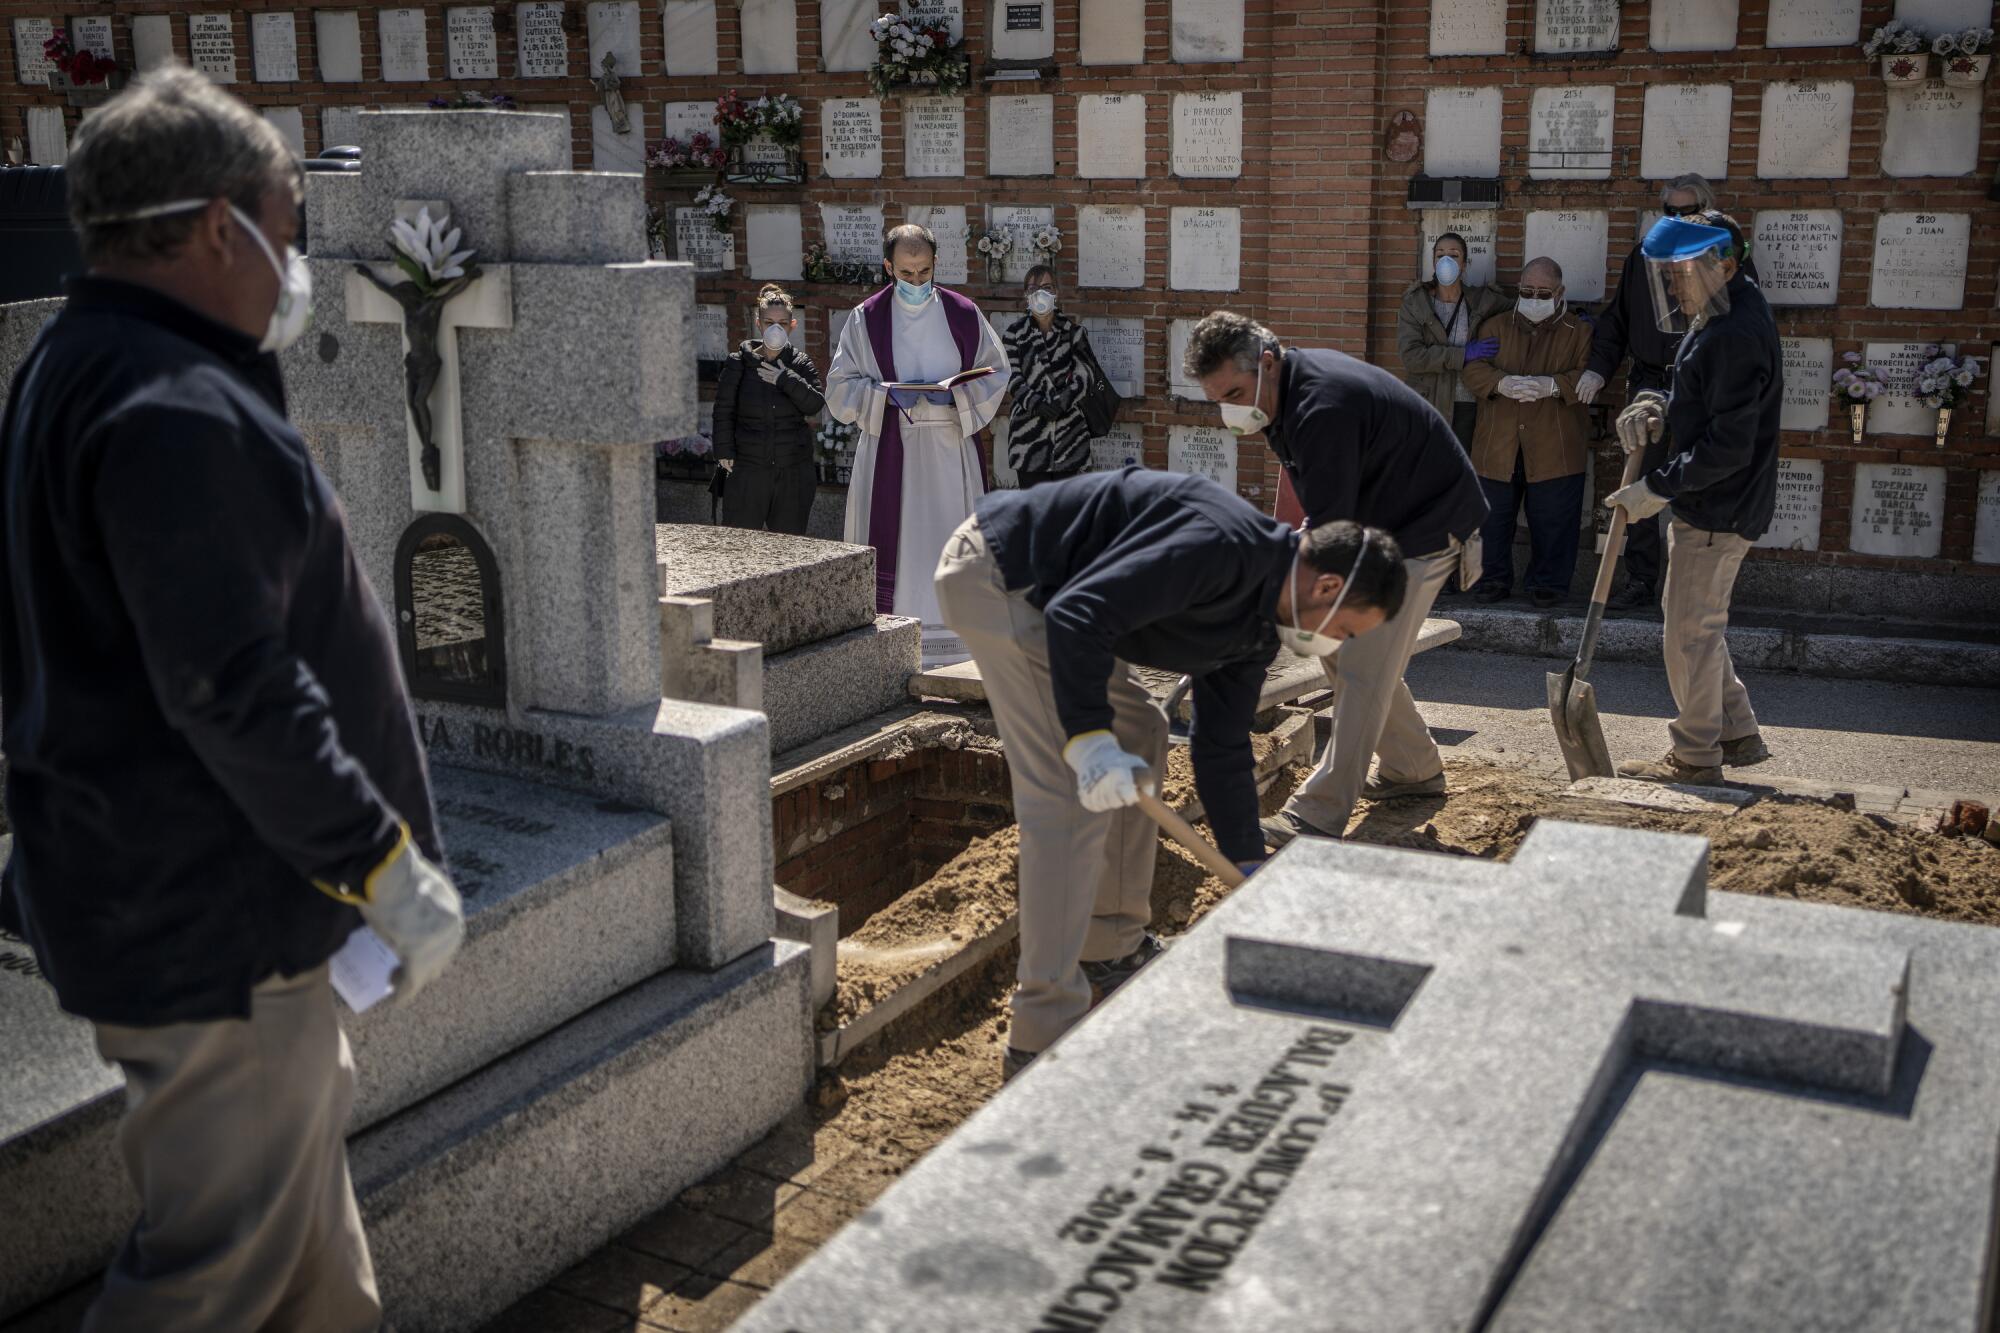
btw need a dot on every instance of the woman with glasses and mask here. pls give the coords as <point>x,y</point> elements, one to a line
<point>1047,437</point>
<point>769,392</point>
<point>1434,333</point>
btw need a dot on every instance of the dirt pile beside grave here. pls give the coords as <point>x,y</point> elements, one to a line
<point>1179,783</point>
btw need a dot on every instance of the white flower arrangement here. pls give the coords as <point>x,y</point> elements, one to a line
<point>1894,38</point>
<point>1941,383</point>
<point>716,204</point>
<point>909,53</point>
<point>426,252</point>
<point>995,243</point>
<point>1046,243</point>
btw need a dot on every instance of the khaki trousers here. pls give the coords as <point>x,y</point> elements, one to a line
<point>1086,879</point>
<point>1712,704</point>
<point>1373,713</point>
<point>234,1134</point>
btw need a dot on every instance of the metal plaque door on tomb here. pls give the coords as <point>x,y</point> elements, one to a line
<point>449,618</point>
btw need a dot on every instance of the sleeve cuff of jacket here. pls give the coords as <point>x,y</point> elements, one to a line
<point>349,879</point>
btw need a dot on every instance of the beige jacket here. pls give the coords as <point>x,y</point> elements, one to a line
<point>1430,362</point>
<point>1550,434</point>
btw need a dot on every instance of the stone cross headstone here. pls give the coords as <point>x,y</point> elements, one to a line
<point>1020,135</point>
<point>152,41</point>
<point>1380,1089</point>
<point>274,47</point>
<point>1120,345</point>
<point>947,223</point>
<point>1694,25</point>
<point>1206,31</point>
<point>1474,226</point>
<point>1469,28</point>
<point>406,55</point>
<point>337,33</point>
<point>1686,128</point>
<point>1569,27</point>
<point>1208,135</point>
<point>212,45</point>
<point>1569,136</point>
<point>774,237</point>
<point>853,232</point>
<point>933,136</point>
<point>1898,511</point>
<point>32,67</point>
<point>1206,451</point>
<point>1111,136</point>
<point>1205,249</point>
<point>1920,261</point>
<point>1932,130</point>
<point>1808,383</point>
<point>1796,23</point>
<point>770,36</point>
<point>1805,130</point>
<point>1798,255</point>
<point>688,32</point>
<point>1576,239</point>
<point>541,44</point>
<point>1795,522</point>
<point>1112,32</point>
<point>472,49</point>
<point>1111,245</point>
<point>1462,132</point>
<point>850,137</point>
<point>1986,521</point>
<point>1020,221</point>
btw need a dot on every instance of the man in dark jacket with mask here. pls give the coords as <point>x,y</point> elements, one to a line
<point>1720,479</point>
<point>214,772</point>
<point>763,435</point>
<point>1055,589</point>
<point>1357,444</point>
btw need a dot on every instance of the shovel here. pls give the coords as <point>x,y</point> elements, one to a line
<point>1572,698</point>
<point>1182,832</point>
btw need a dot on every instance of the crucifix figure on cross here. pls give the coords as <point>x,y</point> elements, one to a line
<point>423,317</point>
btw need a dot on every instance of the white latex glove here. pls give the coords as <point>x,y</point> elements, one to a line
<point>770,372</point>
<point>1546,386</point>
<point>726,464</point>
<point>413,907</point>
<point>1643,422</point>
<point>1518,388</point>
<point>1637,500</point>
<point>1588,385</point>
<point>1104,771</point>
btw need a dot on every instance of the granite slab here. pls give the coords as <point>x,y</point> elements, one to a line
<point>769,587</point>
<point>817,689</point>
<point>1387,1090</point>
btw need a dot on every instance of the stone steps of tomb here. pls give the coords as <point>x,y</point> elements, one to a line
<point>818,689</point>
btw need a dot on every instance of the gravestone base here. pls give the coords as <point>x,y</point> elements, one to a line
<point>817,690</point>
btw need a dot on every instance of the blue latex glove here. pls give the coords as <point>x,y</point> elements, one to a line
<point>909,398</point>
<point>1484,349</point>
<point>1585,316</point>
<point>1249,868</point>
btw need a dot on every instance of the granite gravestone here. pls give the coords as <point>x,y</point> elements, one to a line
<point>774,236</point>
<point>1208,135</point>
<point>212,45</point>
<point>1112,32</point>
<point>850,137</point>
<point>1798,255</point>
<point>338,35</point>
<point>933,136</point>
<point>1932,130</point>
<point>274,47</point>
<point>1795,522</point>
<point>1797,23</point>
<point>1808,382</point>
<point>1111,245</point>
<point>1111,136</point>
<point>1386,1090</point>
<point>1204,249</point>
<point>1986,521</point>
<point>1920,261</point>
<point>948,226</point>
<point>471,48</point>
<point>688,32</point>
<point>1686,128</point>
<point>1206,451</point>
<point>1574,27</point>
<point>1805,130</point>
<point>152,41</point>
<point>1469,28</point>
<point>1021,135</point>
<point>1898,511</point>
<point>1462,132</point>
<point>31,65</point>
<point>1569,136</point>
<point>1693,25</point>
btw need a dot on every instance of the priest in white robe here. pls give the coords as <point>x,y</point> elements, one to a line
<point>917,468</point>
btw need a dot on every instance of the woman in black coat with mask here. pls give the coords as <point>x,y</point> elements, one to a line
<point>764,403</point>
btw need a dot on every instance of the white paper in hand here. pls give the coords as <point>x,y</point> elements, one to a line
<point>361,970</point>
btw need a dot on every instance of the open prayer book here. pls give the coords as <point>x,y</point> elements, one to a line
<point>944,385</point>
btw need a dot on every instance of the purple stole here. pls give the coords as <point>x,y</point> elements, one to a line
<point>885,502</point>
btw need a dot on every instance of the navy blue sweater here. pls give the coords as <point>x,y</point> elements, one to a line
<point>1722,420</point>
<point>1162,570</point>
<point>1362,445</point>
<point>204,708</point>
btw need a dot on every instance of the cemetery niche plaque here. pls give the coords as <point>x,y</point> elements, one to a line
<point>1693,25</point>
<point>1208,135</point>
<point>1474,226</point>
<point>1795,520</point>
<point>1111,136</point>
<point>1932,130</point>
<point>1575,239</point>
<point>1898,511</point>
<point>933,136</point>
<point>1798,256</point>
<point>1986,521</point>
<point>1575,27</point>
<point>1468,28</point>
<point>152,41</point>
<point>274,48</point>
<point>542,45</point>
<point>1207,30</point>
<point>471,48</point>
<point>1462,132</point>
<point>212,45</point>
<point>1795,23</point>
<point>1686,128</point>
<point>1570,133</point>
<point>1920,261</point>
<point>449,616</point>
<point>338,34</point>
<point>1808,383</point>
<point>33,66</point>
<point>1806,129</point>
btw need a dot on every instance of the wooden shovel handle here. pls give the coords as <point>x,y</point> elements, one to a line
<point>1183,833</point>
<point>1614,540</point>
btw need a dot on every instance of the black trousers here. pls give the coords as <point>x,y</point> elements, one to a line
<point>774,497</point>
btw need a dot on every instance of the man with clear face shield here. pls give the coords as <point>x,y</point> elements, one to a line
<point>1720,480</point>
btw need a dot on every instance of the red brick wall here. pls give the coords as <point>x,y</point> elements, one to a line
<point>1328,245</point>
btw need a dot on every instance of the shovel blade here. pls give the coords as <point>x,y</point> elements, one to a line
<point>1573,710</point>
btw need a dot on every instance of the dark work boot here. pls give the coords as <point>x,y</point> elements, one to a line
<point>1107,975</point>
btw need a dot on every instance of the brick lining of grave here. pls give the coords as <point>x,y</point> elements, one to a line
<point>862,837</point>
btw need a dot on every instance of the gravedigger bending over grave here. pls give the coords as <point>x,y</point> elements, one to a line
<point>1721,482</point>
<point>1055,590</point>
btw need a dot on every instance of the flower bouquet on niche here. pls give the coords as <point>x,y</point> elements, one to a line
<point>821,266</point>
<point>716,205</point>
<point>698,153</point>
<point>1857,385</point>
<point>994,245</point>
<point>1901,51</point>
<point>1045,245</point>
<point>683,459</point>
<point>762,139</point>
<point>1943,384</point>
<point>911,55</point>
<point>85,76</point>
<point>1967,55</point>
<point>833,451</point>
